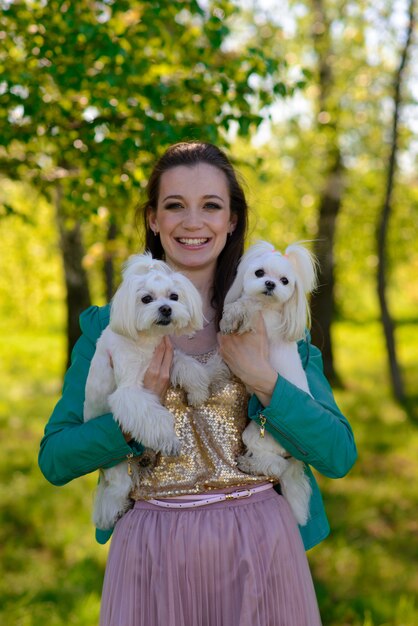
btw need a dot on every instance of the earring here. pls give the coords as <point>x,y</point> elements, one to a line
<point>155,232</point>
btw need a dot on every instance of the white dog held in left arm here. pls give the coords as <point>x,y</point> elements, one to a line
<point>152,301</point>
<point>276,285</point>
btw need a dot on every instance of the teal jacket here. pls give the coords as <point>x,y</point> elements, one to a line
<point>311,429</point>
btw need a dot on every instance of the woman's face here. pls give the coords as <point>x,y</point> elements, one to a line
<point>193,216</point>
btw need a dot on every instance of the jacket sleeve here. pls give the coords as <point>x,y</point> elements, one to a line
<point>311,429</point>
<point>71,447</point>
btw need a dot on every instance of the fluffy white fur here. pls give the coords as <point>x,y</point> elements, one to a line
<point>276,285</point>
<point>152,301</point>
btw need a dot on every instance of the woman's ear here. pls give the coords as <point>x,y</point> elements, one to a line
<point>152,220</point>
<point>233,223</point>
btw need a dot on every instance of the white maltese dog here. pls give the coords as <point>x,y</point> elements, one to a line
<point>275,284</point>
<point>152,301</point>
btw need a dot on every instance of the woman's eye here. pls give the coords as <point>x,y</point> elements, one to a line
<point>146,299</point>
<point>173,296</point>
<point>212,205</point>
<point>284,280</point>
<point>174,205</point>
<point>259,273</point>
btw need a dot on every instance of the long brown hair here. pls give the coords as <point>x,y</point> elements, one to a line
<point>190,154</point>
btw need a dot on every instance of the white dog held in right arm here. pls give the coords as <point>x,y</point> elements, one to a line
<point>151,302</point>
<point>275,284</point>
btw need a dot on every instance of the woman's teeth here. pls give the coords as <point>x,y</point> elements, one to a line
<point>193,242</point>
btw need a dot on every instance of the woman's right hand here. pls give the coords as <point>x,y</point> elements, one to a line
<point>157,376</point>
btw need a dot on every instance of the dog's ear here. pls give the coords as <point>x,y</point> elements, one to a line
<point>123,308</point>
<point>304,264</point>
<point>296,314</point>
<point>235,290</point>
<point>258,249</point>
<point>191,297</point>
<point>296,310</point>
<point>141,264</point>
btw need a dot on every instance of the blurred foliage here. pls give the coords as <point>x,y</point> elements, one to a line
<point>31,280</point>
<point>283,200</point>
<point>91,92</point>
<point>365,572</point>
<point>282,209</point>
<point>286,175</point>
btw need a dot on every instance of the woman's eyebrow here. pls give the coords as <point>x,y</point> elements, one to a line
<point>178,197</point>
<point>213,195</point>
<point>206,196</point>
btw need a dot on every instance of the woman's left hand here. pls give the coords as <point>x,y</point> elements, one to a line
<point>247,356</point>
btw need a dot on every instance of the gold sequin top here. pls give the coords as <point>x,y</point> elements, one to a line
<point>211,442</point>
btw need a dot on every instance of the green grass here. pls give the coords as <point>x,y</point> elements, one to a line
<point>365,573</point>
<point>52,567</point>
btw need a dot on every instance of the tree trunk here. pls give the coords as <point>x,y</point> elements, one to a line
<point>108,267</point>
<point>76,283</point>
<point>387,322</point>
<point>323,300</point>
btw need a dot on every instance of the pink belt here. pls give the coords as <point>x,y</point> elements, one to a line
<point>194,501</point>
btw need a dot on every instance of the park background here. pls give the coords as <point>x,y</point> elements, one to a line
<point>316,103</point>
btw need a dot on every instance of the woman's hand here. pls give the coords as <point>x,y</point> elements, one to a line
<point>157,376</point>
<point>247,356</point>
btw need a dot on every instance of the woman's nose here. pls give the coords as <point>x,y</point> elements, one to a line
<point>193,219</point>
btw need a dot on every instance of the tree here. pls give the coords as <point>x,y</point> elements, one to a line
<point>384,218</point>
<point>327,148</point>
<point>323,299</point>
<point>92,92</point>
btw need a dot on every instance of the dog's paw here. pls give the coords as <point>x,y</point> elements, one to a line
<point>164,441</point>
<point>239,326</point>
<point>232,318</point>
<point>145,463</point>
<point>230,323</point>
<point>112,496</point>
<point>276,466</point>
<point>297,491</point>
<point>267,464</point>
<point>169,447</point>
<point>246,464</point>
<point>218,371</point>
<point>197,397</point>
<point>228,327</point>
<point>197,384</point>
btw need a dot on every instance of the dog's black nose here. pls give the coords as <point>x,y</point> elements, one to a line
<point>165,310</point>
<point>270,285</point>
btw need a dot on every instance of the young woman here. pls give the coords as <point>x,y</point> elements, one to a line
<point>232,561</point>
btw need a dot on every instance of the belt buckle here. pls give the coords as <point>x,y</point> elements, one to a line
<point>245,493</point>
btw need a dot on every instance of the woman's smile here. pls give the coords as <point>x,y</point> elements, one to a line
<point>195,242</point>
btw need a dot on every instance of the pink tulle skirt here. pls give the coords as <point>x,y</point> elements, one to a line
<point>233,563</point>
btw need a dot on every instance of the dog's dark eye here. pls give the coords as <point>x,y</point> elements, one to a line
<point>259,273</point>
<point>284,280</point>
<point>146,299</point>
<point>174,296</point>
